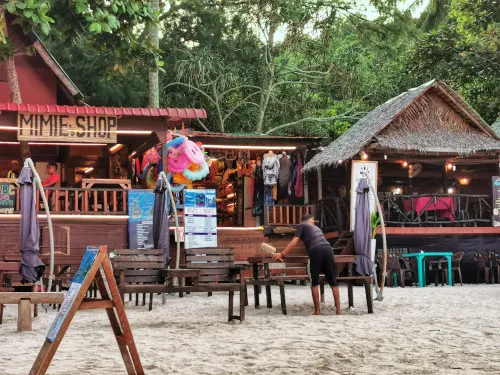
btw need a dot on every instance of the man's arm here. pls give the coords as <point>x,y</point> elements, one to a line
<point>288,248</point>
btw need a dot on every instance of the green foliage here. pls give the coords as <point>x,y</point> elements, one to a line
<point>32,14</point>
<point>108,27</point>
<point>374,223</point>
<point>289,67</point>
<point>464,52</point>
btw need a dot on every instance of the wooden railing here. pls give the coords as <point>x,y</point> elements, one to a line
<point>436,210</point>
<point>286,214</point>
<point>81,201</point>
<point>333,214</point>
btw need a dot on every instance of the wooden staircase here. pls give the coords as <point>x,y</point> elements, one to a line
<point>344,244</point>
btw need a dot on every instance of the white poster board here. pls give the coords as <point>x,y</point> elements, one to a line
<point>358,168</point>
<point>200,219</point>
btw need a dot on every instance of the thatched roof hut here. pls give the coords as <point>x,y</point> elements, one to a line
<point>431,118</point>
<point>496,127</point>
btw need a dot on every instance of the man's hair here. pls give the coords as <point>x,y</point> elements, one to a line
<point>306,218</point>
<point>52,164</point>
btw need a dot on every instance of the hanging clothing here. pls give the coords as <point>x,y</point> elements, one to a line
<point>294,176</point>
<point>299,183</point>
<point>271,168</point>
<point>268,195</point>
<point>285,175</point>
<point>258,191</point>
<point>137,169</point>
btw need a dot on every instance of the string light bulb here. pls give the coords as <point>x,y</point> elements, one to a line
<point>405,164</point>
<point>385,156</point>
<point>464,181</point>
<point>364,155</point>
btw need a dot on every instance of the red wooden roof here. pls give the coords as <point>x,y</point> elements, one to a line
<point>176,113</point>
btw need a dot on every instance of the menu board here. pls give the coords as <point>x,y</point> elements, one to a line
<point>358,171</point>
<point>7,197</point>
<point>496,201</point>
<point>140,221</point>
<point>200,218</point>
<point>70,297</point>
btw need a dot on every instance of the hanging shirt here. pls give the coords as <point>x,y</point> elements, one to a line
<point>271,168</point>
<point>285,174</point>
<point>299,183</point>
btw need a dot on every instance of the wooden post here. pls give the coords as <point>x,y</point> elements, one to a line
<point>320,184</point>
<point>24,316</point>
<point>306,189</point>
<point>445,180</point>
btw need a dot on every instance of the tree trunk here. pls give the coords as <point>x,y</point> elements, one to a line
<point>154,95</point>
<point>15,91</point>
<point>267,91</point>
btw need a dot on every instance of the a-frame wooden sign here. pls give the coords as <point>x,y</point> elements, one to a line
<point>95,266</point>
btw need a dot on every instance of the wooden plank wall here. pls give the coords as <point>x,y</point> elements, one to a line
<point>113,233</point>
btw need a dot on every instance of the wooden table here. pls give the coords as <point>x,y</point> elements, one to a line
<point>125,184</point>
<point>340,261</point>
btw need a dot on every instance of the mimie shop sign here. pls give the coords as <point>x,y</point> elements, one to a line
<point>66,128</point>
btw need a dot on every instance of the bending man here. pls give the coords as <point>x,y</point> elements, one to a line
<point>320,259</point>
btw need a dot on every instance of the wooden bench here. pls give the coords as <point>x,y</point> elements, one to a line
<point>218,273</point>
<point>140,271</point>
<point>24,301</point>
<point>282,275</point>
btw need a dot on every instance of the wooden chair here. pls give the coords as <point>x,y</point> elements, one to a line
<point>140,271</point>
<point>482,265</point>
<point>218,273</point>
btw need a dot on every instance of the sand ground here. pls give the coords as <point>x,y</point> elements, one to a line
<point>443,330</point>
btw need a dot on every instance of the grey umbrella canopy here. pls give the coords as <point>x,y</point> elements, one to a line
<point>32,267</point>
<point>161,234</point>
<point>362,230</point>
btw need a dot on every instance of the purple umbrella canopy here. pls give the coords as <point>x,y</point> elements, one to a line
<point>161,233</point>
<point>31,268</point>
<point>362,230</point>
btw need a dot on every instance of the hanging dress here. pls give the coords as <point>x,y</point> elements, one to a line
<point>271,168</point>
<point>258,191</point>
<point>299,183</point>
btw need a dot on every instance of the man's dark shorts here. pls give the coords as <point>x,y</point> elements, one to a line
<point>321,262</point>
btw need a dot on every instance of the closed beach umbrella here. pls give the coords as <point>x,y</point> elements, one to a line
<point>32,267</point>
<point>161,233</point>
<point>362,230</point>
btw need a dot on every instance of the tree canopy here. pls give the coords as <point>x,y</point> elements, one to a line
<point>301,67</point>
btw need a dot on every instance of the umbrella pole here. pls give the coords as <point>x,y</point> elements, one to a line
<point>176,218</point>
<point>380,295</point>
<point>29,163</point>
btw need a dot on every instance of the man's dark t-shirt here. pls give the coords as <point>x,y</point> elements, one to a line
<point>312,236</point>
